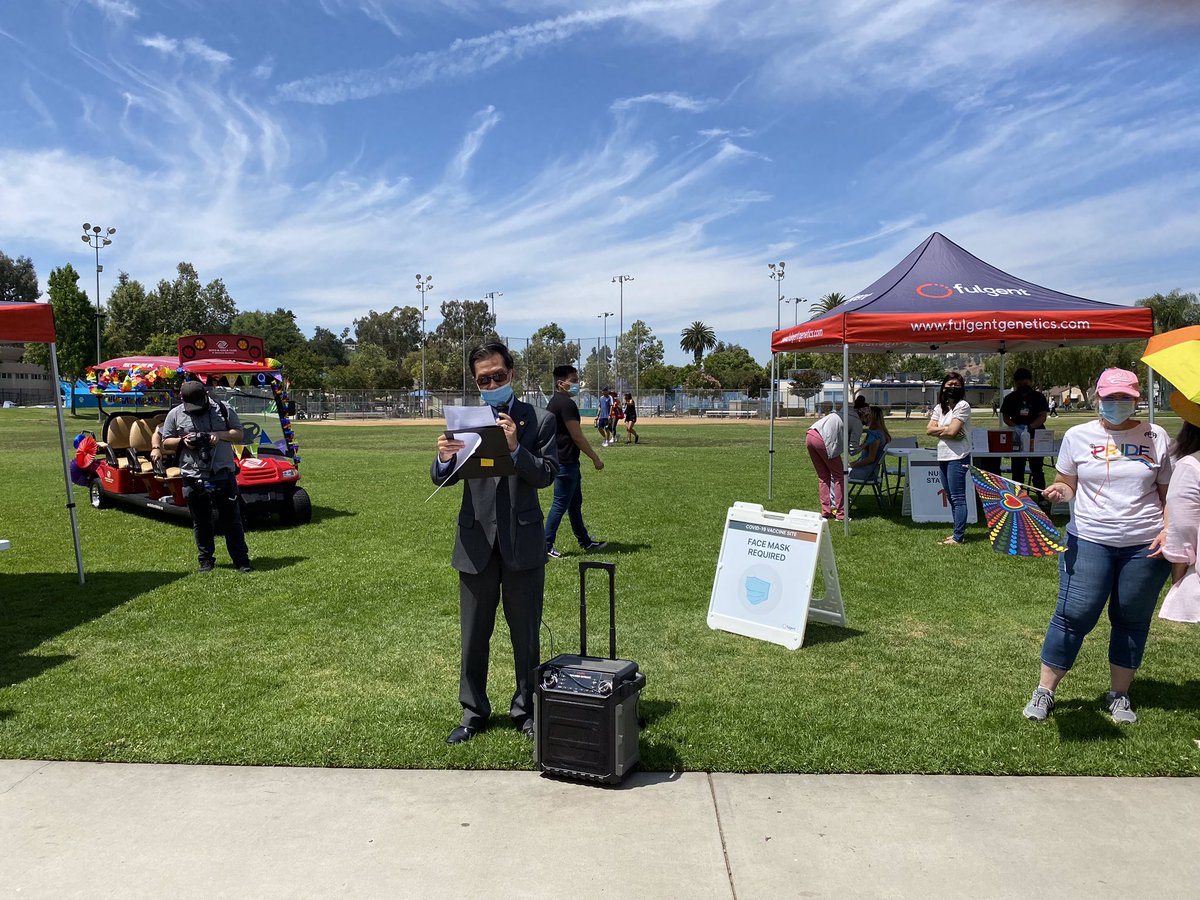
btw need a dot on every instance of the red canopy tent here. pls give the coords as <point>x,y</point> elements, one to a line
<point>34,323</point>
<point>940,298</point>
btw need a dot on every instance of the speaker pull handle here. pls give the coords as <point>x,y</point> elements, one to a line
<point>611,569</point>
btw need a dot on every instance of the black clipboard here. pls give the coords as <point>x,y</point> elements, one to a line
<point>491,459</point>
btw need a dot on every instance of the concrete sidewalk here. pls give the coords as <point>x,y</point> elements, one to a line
<point>115,830</point>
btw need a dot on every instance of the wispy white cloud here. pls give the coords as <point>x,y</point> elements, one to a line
<point>670,99</point>
<point>465,57</point>
<point>192,46</point>
<point>117,10</point>
<point>161,43</point>
<point>30,96</point>
<point>198,48</point>
<point>264,69</point>
<point>485,121</point>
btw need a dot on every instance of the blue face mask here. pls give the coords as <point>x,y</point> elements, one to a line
<point>573,390</point>
<point>497,398</point>
<point>1115,412</point>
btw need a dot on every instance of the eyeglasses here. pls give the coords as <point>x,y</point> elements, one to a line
<point>498,379</point>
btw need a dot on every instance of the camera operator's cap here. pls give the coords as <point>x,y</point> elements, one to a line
<point>1185,408</point>
<point>195,397</point>
<point>1117,381</point>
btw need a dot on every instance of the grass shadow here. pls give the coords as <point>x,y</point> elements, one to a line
<point>328,513</point>
<point>1167,694</point>
<point>822,633</point>
<point>38,607</point>
<point>1085,722</point>
<point>273,563</point>
<point>623,547</point>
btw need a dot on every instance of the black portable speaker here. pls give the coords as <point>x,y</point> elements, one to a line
<point>585,708</point>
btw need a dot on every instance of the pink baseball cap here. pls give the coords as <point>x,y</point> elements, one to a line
<point>1117,381</point>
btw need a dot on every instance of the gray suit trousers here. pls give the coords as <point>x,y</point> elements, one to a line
<point>479,595</point>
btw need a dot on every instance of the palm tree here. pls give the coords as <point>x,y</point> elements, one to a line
<point>1173,310</point>
<point>697,338</point>
<point>828,303</point>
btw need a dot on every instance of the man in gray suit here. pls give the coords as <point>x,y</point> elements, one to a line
<point>499,547</point>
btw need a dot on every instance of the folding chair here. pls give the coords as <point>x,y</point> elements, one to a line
<point>871,477</point>
<point>897,469</point>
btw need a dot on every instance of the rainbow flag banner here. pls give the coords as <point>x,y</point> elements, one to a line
<point>1016,525</point>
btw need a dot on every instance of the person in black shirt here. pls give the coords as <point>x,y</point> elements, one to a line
<point>568,485</point>
<point>1026,409</point>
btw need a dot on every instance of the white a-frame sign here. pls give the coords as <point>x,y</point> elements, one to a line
<point>765,573</point>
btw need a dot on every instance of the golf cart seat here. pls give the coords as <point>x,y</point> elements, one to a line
<point>116,440</point>
<point>139,447</point>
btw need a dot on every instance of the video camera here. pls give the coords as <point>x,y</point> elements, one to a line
<point>202,443</point>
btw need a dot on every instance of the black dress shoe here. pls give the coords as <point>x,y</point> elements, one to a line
<point>527,728</point>
<point>462,734</point>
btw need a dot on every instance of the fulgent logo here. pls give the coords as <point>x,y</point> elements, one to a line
<point>935,291</point>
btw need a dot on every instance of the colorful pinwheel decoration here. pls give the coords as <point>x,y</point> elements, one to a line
<point>1016,525</point>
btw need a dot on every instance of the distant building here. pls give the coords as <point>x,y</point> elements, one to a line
<point>22,383</point>
<point>894,392</point>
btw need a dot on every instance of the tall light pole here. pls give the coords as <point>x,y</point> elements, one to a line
<point>97,237</point>
<point>620,280</point>
<point>605,316</point>
<point>491,296</point>
<point>777,276</point>
<point>424,285</point>
<point>462,307</point>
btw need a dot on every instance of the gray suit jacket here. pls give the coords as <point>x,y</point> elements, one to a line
<point>506,510</point>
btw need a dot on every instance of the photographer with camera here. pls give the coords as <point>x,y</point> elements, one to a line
<point>201,432</point>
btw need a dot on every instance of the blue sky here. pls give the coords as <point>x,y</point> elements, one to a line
<point>316,155</point>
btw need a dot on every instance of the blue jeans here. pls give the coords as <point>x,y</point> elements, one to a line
<point>954,480</point>
<point>568,498</point>
<point>1092,576</point>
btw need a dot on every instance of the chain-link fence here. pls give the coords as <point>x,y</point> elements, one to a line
<point>432,404</point>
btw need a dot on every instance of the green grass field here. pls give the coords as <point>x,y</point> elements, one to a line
<point>342,648</point>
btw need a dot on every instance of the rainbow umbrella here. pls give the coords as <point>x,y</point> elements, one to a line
<point>1016,525</point>
<point>1175,355</point>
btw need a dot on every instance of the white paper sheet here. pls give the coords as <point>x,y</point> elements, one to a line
<point>465,417</point>
<point>458,417</point>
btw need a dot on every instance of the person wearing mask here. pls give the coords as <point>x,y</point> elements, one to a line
<point>1182,603</point>
<point>950,423</point>
<point>568,484</point>
<point>876,438</point>
<point>824,442</point>
<point>603,418</point>
<point>499,544</point>
<point>1025,410</point>
<point>615,416</point>
<point>201,432</point>
<point>1116,468</point>
<point>631,420</point>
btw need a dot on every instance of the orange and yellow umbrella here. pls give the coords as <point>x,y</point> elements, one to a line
<point>1175,355</point>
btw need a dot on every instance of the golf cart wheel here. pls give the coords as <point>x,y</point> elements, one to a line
<point>96,495</point>
<point>298,509</point>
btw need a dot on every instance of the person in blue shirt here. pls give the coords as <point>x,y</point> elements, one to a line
<point>604,419</point>
<point>876,438</point>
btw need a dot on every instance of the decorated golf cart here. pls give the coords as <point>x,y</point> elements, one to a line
<point>134,394</point>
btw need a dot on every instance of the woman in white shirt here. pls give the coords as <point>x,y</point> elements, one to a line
<point>1182,602</point>
<point>1116,468</point>
<point>950,423</point>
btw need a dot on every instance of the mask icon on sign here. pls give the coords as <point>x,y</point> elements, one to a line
<point>757,590</point>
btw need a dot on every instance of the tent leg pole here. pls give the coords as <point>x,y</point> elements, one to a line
<point>771,434</point>
<point>1150,394</point>
<point>62,443</point>
<point>845,437</point>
